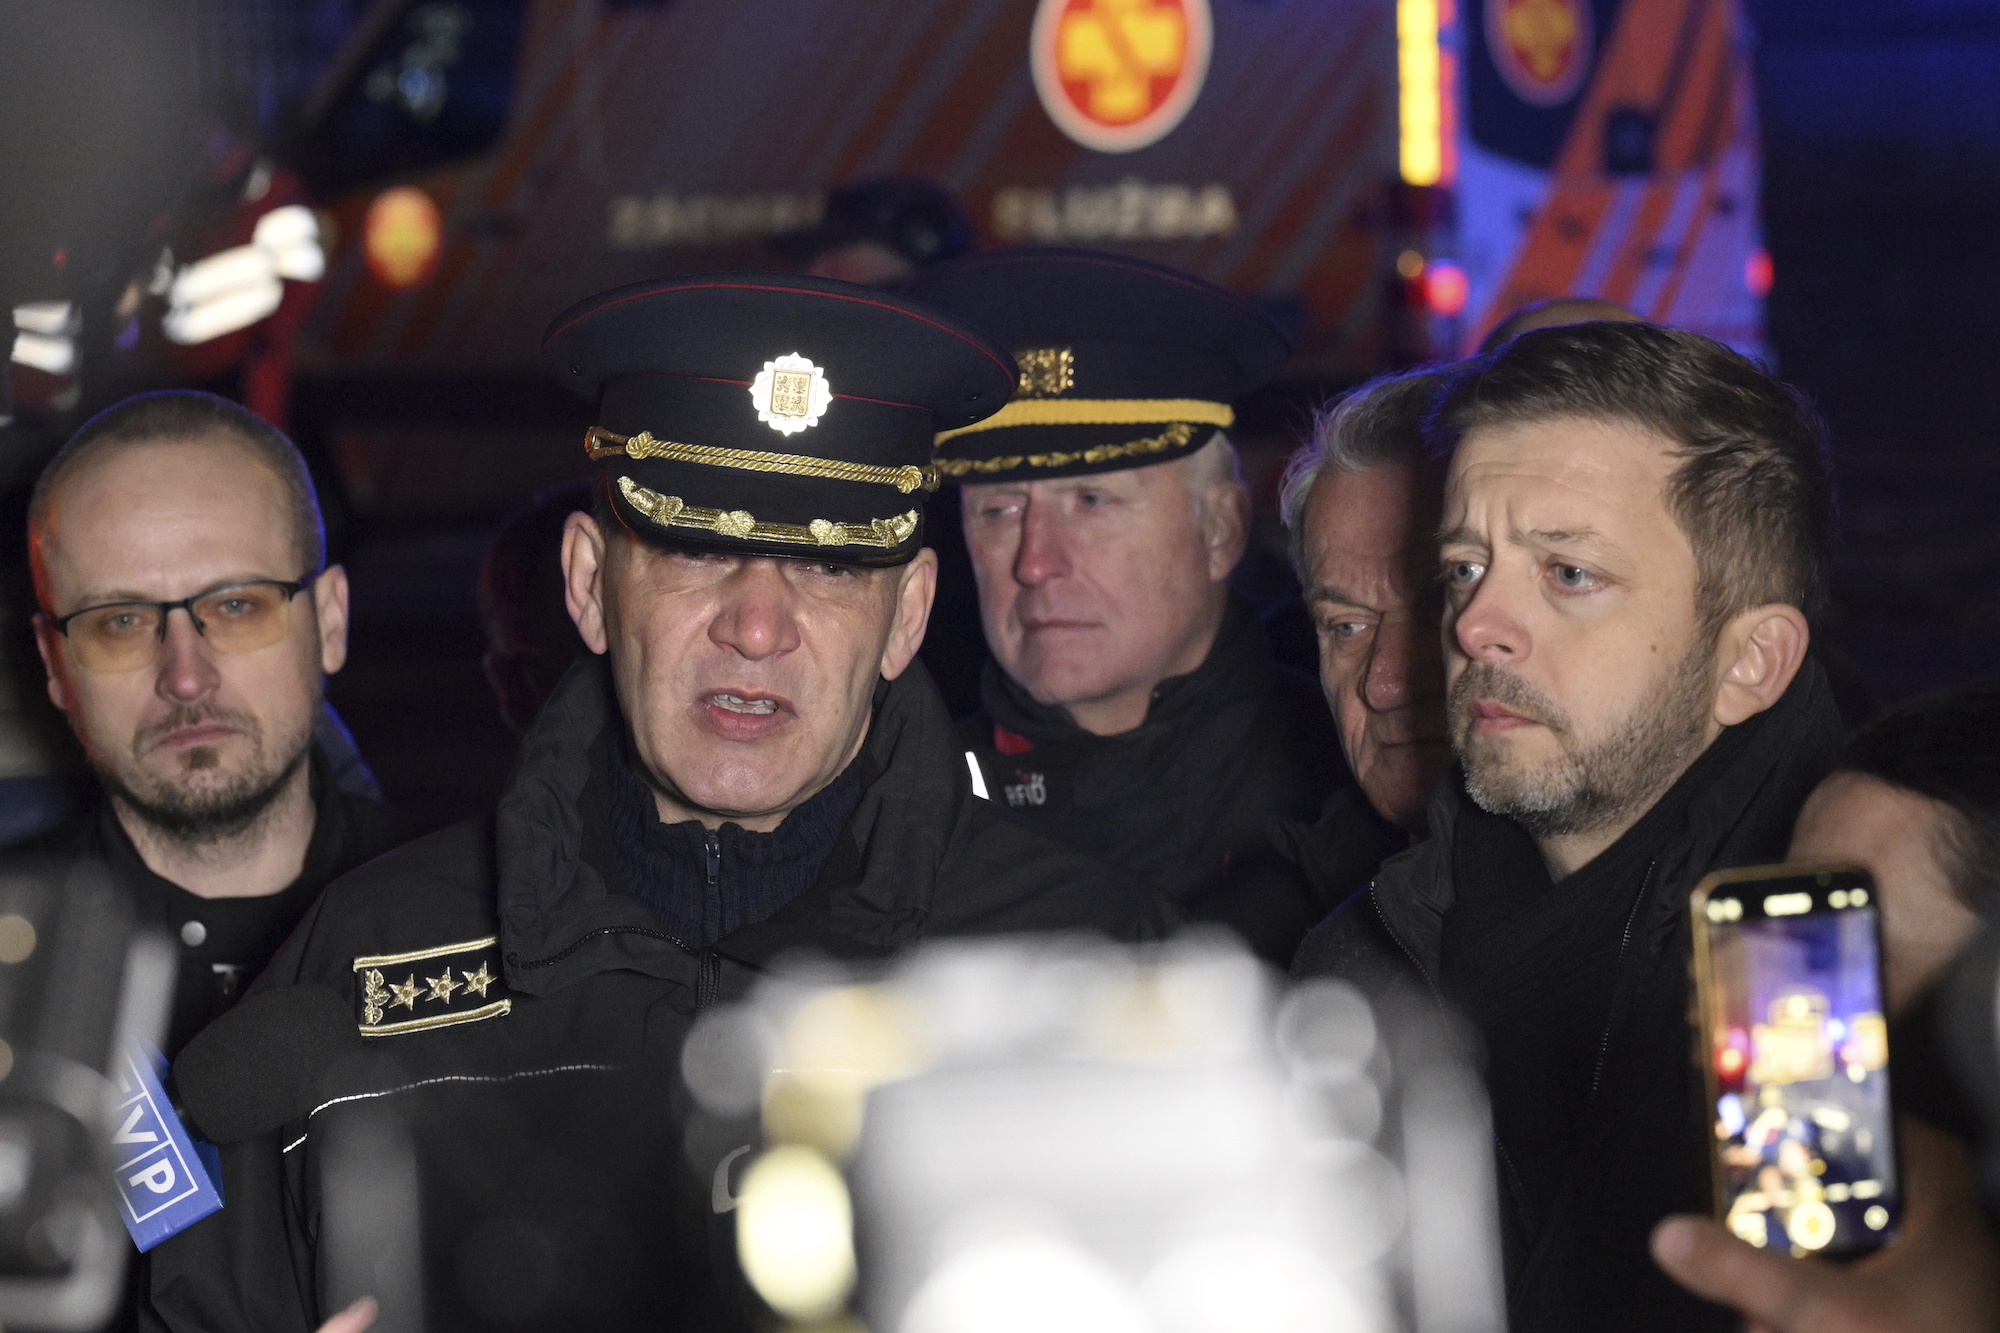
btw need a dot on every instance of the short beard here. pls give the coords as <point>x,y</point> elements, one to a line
<point>1589,787</point>
<point>203,817</point>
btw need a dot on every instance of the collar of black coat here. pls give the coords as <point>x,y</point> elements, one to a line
<point>1742,815</point>
<point>347,829</point>
<point>562,919</point>
<point>1236,661</point>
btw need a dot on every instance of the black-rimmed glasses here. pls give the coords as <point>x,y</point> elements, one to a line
<point>124,636</point>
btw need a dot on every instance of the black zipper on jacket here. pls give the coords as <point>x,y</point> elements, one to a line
<point>1444,1009</point>
<point>1624,942</point>
<point>708,964</point>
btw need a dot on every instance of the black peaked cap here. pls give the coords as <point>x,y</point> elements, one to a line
<point>1122,363</point>
<point>773,414</point>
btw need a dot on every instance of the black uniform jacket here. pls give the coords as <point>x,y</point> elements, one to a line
<point>1185,800</point>
<point>225,942</point>
<point>515,1143</point>
<point>1580,1260</point>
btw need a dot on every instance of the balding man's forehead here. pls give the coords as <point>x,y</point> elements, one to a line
<point>159,504</point>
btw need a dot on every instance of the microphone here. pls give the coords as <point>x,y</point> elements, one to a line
<point>258,1066</point>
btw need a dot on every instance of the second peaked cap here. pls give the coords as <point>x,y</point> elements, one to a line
<point>1123,363</point>
<point>773,414</point>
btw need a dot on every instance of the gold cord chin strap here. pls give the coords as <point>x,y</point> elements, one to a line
<point>601,443</point>
<point>670,511</point>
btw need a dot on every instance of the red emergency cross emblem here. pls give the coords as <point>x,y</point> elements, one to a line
<point>1117,75</point>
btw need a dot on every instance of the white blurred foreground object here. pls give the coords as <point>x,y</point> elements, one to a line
<point>1061,1134</point>
<point>235,288</point>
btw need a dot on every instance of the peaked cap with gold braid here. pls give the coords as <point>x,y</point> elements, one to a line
<point>1122,363</point>
<point>773,414</point>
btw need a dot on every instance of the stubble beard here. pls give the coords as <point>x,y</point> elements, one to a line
<point>1589,786</point>
<point>196,807</point>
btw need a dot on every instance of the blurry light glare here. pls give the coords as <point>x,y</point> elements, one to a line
<point>227,310</point>
<point>1250,1284</point>
<point>1012,1283</point>
<point>221,275</point>
<point>1199,1005</point>
<point>51,319</point>
<point>1325,1032</point>
<point>1446,288</point>
<point>1419,68</point>
<point>54,356</point>
<point>290,235</point>
<point>17,938</point>
<point>840,1044</point>
<point>1409,264</point>
<point>795,1232</point>
<point>1758,273</point>
<point>725,1057</point>
<point>401,236</point>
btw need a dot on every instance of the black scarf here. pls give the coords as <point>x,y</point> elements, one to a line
<point>1533,962</point>
<point>1193,788</point>
<point>706,884</point>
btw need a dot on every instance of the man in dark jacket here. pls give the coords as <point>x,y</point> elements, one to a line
<point>1635,541</point>
<point>754,767</point>
<point>1131,705</point>
<point>188,622</point>
<point>1360,503</point>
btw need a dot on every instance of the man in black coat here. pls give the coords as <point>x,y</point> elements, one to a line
<point>188,623</point>
<point>1360,503</point>
<point>755,767</point>
<point>1132,707</point>
<point>1634,545</point>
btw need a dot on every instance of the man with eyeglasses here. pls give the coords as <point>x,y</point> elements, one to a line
<point>188,621</point>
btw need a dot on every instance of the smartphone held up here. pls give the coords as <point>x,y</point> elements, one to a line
<point>1794,1047</point>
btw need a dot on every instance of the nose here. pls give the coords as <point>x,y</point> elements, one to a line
<point>1404,667</point>
<point>757,618</point>
<point>186,662</point>
<point>1487,629</point>
<point>1043,554</point>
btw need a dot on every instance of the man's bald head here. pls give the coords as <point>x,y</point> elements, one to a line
<point>178,417</point>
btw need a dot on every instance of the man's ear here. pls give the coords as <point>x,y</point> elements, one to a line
<point>329,592</point>
<point>1757,655</point>
<point>1225,527</point>
<point>583,562</point>
<point>914,591</point>
<point>45,644</point>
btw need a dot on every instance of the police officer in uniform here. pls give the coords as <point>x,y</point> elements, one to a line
<point>749,762</point>
<point>1131,704</point>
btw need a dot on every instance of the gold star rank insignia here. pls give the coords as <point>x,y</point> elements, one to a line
<point>407,993</point>
<point>429,1001</point>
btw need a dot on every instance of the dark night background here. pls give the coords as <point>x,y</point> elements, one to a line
<point>1881,124</point>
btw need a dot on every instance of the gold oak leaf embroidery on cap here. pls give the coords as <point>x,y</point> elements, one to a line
<point>373,996</point>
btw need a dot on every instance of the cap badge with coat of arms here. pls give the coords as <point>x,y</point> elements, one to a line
<point>790,394</point>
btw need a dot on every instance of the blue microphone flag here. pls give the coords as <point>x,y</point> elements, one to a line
<point>162,1184</point>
